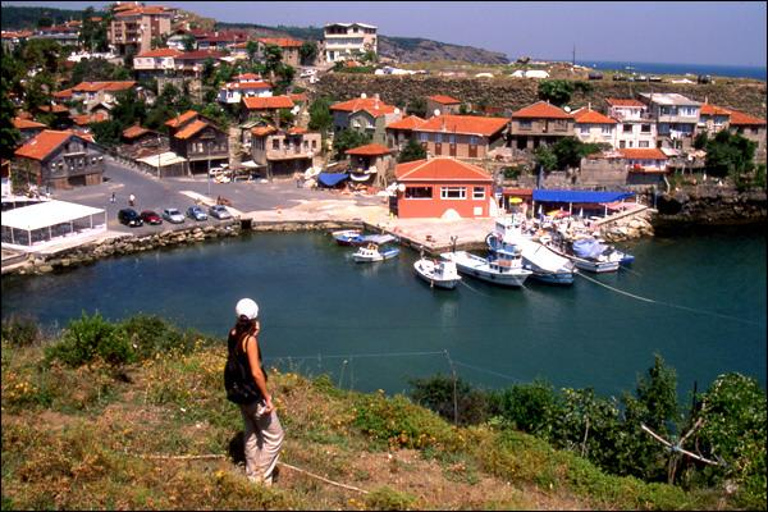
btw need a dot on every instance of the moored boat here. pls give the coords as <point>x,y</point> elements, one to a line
<point>503,267</point>
<point>376,249</point>
<point>348,237</point>
<point>442,274</point>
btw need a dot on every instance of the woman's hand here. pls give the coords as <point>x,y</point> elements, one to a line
<point>268,405</point>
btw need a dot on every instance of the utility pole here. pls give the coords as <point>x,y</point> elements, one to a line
<point>573,62</point>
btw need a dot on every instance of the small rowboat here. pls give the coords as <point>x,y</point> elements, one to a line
<point>442,274</point>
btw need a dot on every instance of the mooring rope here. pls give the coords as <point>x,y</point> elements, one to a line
<point>463,281</point>
<point>669,304</point>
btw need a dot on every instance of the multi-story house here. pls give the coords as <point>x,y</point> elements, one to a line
<point>400,132</point>
<point>593,127</point>
<point>234,92</point>
<point>12,39</point>
<point>346,40</point>
<point>540,124</point>
<point>135,27</point>
<point>289,47</point>
<point>675,116</point>
<point>62,159</point>
<point>63,34</point>
<point>461,136</point>
<point>634,128</point>
<point>27,127</point>
<point>365,115</point>
<point>93,94</point>
<point>285,152</point>
<point>221,41</point>
<point>156,62</point>
<point>370,161</point>
<point>751,128</point>
<point>199,140</point>
<point>266,106</point>
<point>443,104</point>
<point>191,63</point>
<point>712,118</point>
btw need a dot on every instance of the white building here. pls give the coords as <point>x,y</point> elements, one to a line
<point>594,127</point>
<point>234,92</point>
<point>154,61</point>
<point>345,40</point>
<point>635,128</point>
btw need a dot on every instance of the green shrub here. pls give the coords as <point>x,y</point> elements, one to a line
<point>437,394</point>
<point>89,338</point>
<point>528,407</point>
<point>150,334</point>
<point>20,331</point>
<point>386,498</point>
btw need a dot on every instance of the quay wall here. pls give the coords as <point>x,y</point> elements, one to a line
<point>515,93</point>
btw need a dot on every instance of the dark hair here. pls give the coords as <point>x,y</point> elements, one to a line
<point>244,326</point>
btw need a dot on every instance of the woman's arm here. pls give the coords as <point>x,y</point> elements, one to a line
<point>252,349</point>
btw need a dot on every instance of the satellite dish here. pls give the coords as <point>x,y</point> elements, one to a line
<point>567,108</point>
<point>363,95</point>
<point>401,187</point>
<point>437,112</point>
<point>397,110</point>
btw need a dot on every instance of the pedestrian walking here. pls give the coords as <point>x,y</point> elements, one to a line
<point>131,199</point>
<point>246,383</point>
<point>112,198</point>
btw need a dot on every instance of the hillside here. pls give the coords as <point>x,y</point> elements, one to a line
<point>156,432</point>
<point>15,17</point>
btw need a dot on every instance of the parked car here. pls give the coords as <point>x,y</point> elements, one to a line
<point>595,76</point>
<point>151,217</point>
<point>129,217</point>
<point>173,215</point>
<point>220,212</point>
<point>197,213</point>
<point>704,79</point>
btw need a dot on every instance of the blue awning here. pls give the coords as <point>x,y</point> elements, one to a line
<point>330,179</point>
<point>579,196</point>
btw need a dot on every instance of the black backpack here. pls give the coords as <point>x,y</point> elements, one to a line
<point>238,380</point>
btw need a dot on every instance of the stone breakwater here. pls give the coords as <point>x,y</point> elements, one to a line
<point>629,228</point>
<point>711,206</point>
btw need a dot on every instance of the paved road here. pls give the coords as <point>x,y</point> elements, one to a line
<point>154,194</point>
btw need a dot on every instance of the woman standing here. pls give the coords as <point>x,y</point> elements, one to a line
<point>263,433</point>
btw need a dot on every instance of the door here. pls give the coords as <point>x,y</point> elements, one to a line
<point>438,148</point>
<point>452,149</point>
<point>473,151</point>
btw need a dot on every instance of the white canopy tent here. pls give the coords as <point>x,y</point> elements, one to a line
<point>48,221</point>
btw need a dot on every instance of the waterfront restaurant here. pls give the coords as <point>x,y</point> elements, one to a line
<point>443,188</point>
<point>34,227</point>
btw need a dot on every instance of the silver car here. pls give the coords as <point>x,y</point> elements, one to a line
<point>197,213</point>
<point>173,215</point>
<point>219,212</point>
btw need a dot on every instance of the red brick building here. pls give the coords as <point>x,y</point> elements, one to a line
<point>433,187</point>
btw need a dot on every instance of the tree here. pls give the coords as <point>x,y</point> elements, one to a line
<point>284,74</point>
<point>45,22</point>
<point>417,107</point>
<point>700,142</point>
<point>273,57</point>
<point>729,154</point>
<point>252,47</point>
<point>93,34</point>
<point>568,152</point>
<point>209,67</point>
<point>107,133</point>
<point>44,54</point>
<point>544,157</point>
<point>308,52</point>
<point>128,110</point>
<point>9,135</point>
<point>557,92</point>
<point>348,139</point>
<point>412,151</point>
<point>189,42</point>
<point>97,70</point>
<point>320,117</point>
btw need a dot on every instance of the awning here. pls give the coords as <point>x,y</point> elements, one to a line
<point>579,196</point>
<point>48,213</point>
<point>250,164</point>
<point>331,179</point>
<point>163,159</point>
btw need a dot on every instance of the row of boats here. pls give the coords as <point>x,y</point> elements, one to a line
<point>517,250</point>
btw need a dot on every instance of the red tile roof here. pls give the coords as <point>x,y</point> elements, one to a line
<point>183,118</point>
<point>369,150</point>
<point>440,169</point>
<point>135,131</point>
<point>541,110</point>
<point>263,131</point>
<point>741,119</point>
<point>63,95</point>
<point>160,52</point>
<point>588,116</point>
<point>299,97</point>
<point>248,77</point>
<point>273,102</point>
<point>44,143</point>
<point>642,154</point>
<point>443,99</point>
<point>406,123</point>
<point>282,42</point>
<point>624,102</point>
<point>25,124</point>
<point>191,129</point>
<point>56,109</point>
<point>86,119</point>
<point>707,109</point>
<point>102,86</point>
<point>470,125</point>
<point>373,106</point>
<point>296,130</point>
<point>234,86</point>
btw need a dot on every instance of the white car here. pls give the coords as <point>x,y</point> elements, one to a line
<point>173,215</point>
<point>219,212</point>
<point>308,73</point>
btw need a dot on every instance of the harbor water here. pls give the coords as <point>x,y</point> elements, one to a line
<point>698,301</point>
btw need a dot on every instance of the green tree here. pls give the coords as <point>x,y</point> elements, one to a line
<point>417,107</point>
<point>308,52</point>
<point>9,135</point>
<point>700,142</point>
<point>107,133</point>
<point>93,34</point>
<point>320,117</point>
<point>45,22</point>
<point>544,157</point>
<point>568,152</point>
<point>43,54</point>
<point>129,110</point>
<point>284,74</point>
<point>729,154</point>
<point>273,57</point>
<point>252,47</point>
<point>189,42</point>
<point>412,151</point>
<point>97,70</point>
<point>348,139</point>
<point>557,92</point>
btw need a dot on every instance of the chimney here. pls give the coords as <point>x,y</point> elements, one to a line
<point>442,123</point>
<point>377,97</point>
<point>589,106</point>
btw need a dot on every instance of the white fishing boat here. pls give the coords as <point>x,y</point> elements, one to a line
<point>442,274</point>
<point>376,249</point>
<point>598,259</point>
<point>503,267</point>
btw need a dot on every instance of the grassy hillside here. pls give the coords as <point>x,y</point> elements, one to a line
<point>158,433</point>
<point>15,17</point>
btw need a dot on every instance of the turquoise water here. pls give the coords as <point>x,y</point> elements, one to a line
<point>320,309</point>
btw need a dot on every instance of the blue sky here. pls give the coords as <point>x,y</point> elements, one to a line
<point>672,32</point>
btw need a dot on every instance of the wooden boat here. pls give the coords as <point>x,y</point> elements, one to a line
<point>376,249</point>
<point>442,274</point>
<point>503,267</point>
<point>597,262</point>
<point>348,237</point>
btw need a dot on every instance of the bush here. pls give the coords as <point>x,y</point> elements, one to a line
<point>437,394</point>
<point>89,338</point>
<point>527,407</point>
<point>386,498</point>
<point>411,152</point>
<point>20,331</point>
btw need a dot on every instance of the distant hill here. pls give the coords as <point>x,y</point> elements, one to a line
<point>15,17</point>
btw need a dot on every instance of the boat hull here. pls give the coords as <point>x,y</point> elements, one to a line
<point>372,258</point>
<point>596,267</point>
<point>559,278</point>
<point>477,267</point>
<point>426,273</point>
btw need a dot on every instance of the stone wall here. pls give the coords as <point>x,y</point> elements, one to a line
<point>710,205</point>
<point>516,93</point>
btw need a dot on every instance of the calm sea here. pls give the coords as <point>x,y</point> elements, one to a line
<point>699,301</point>
<point>756,72</point>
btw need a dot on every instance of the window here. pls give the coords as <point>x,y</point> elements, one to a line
<point>306,145</point>
<point>478,192</point>
<point>439,138</point>
<point>622,144</point>
<point>755,130</point>
<point>627,128</point>
<point>314,144</point>
<point>452,137</point>
<point>584,129</point>
<point>453,193</point>
<point>418,193</point>
<point>688,111</point>
<point>275,144</point>
<point>643,144</point>
<point>473,140</point>
<point>645,128</point>
<point>423,137</point>
<point>525,124</point>
<point>607,129</point>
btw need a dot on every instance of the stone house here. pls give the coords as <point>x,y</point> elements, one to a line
<point>540,124</point>
<point>365,115</point>
<point>285,152</point>
<point>370,161</point>
<point>289,47</point>
<point>442,103</point>
<point>27,127</point>
<point>400,132</point>
<point>751,128</point>
<point>635,128</point>
<point>198,140</point>
<point>61,159</point>
<point>461,136</point>
<point>266,107</point>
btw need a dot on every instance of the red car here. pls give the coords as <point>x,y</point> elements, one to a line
<point>151,217</point>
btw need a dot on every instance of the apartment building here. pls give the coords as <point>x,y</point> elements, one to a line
<point>134,27</point>
<point>285,152</point>
<point>345,40</point>
<point>676,117</point>
<point>634,127</point>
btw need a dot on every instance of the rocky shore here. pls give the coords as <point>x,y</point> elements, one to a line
<point>710,206</point>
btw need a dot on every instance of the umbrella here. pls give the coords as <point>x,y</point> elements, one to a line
<point>581,212</point>
<point>515,200</point>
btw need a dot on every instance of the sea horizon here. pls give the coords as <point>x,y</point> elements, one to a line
<point>723,70</point>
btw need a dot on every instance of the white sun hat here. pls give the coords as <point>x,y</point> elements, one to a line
<point>247,308</point>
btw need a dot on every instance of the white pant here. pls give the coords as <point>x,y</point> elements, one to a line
<point>263,439</point>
